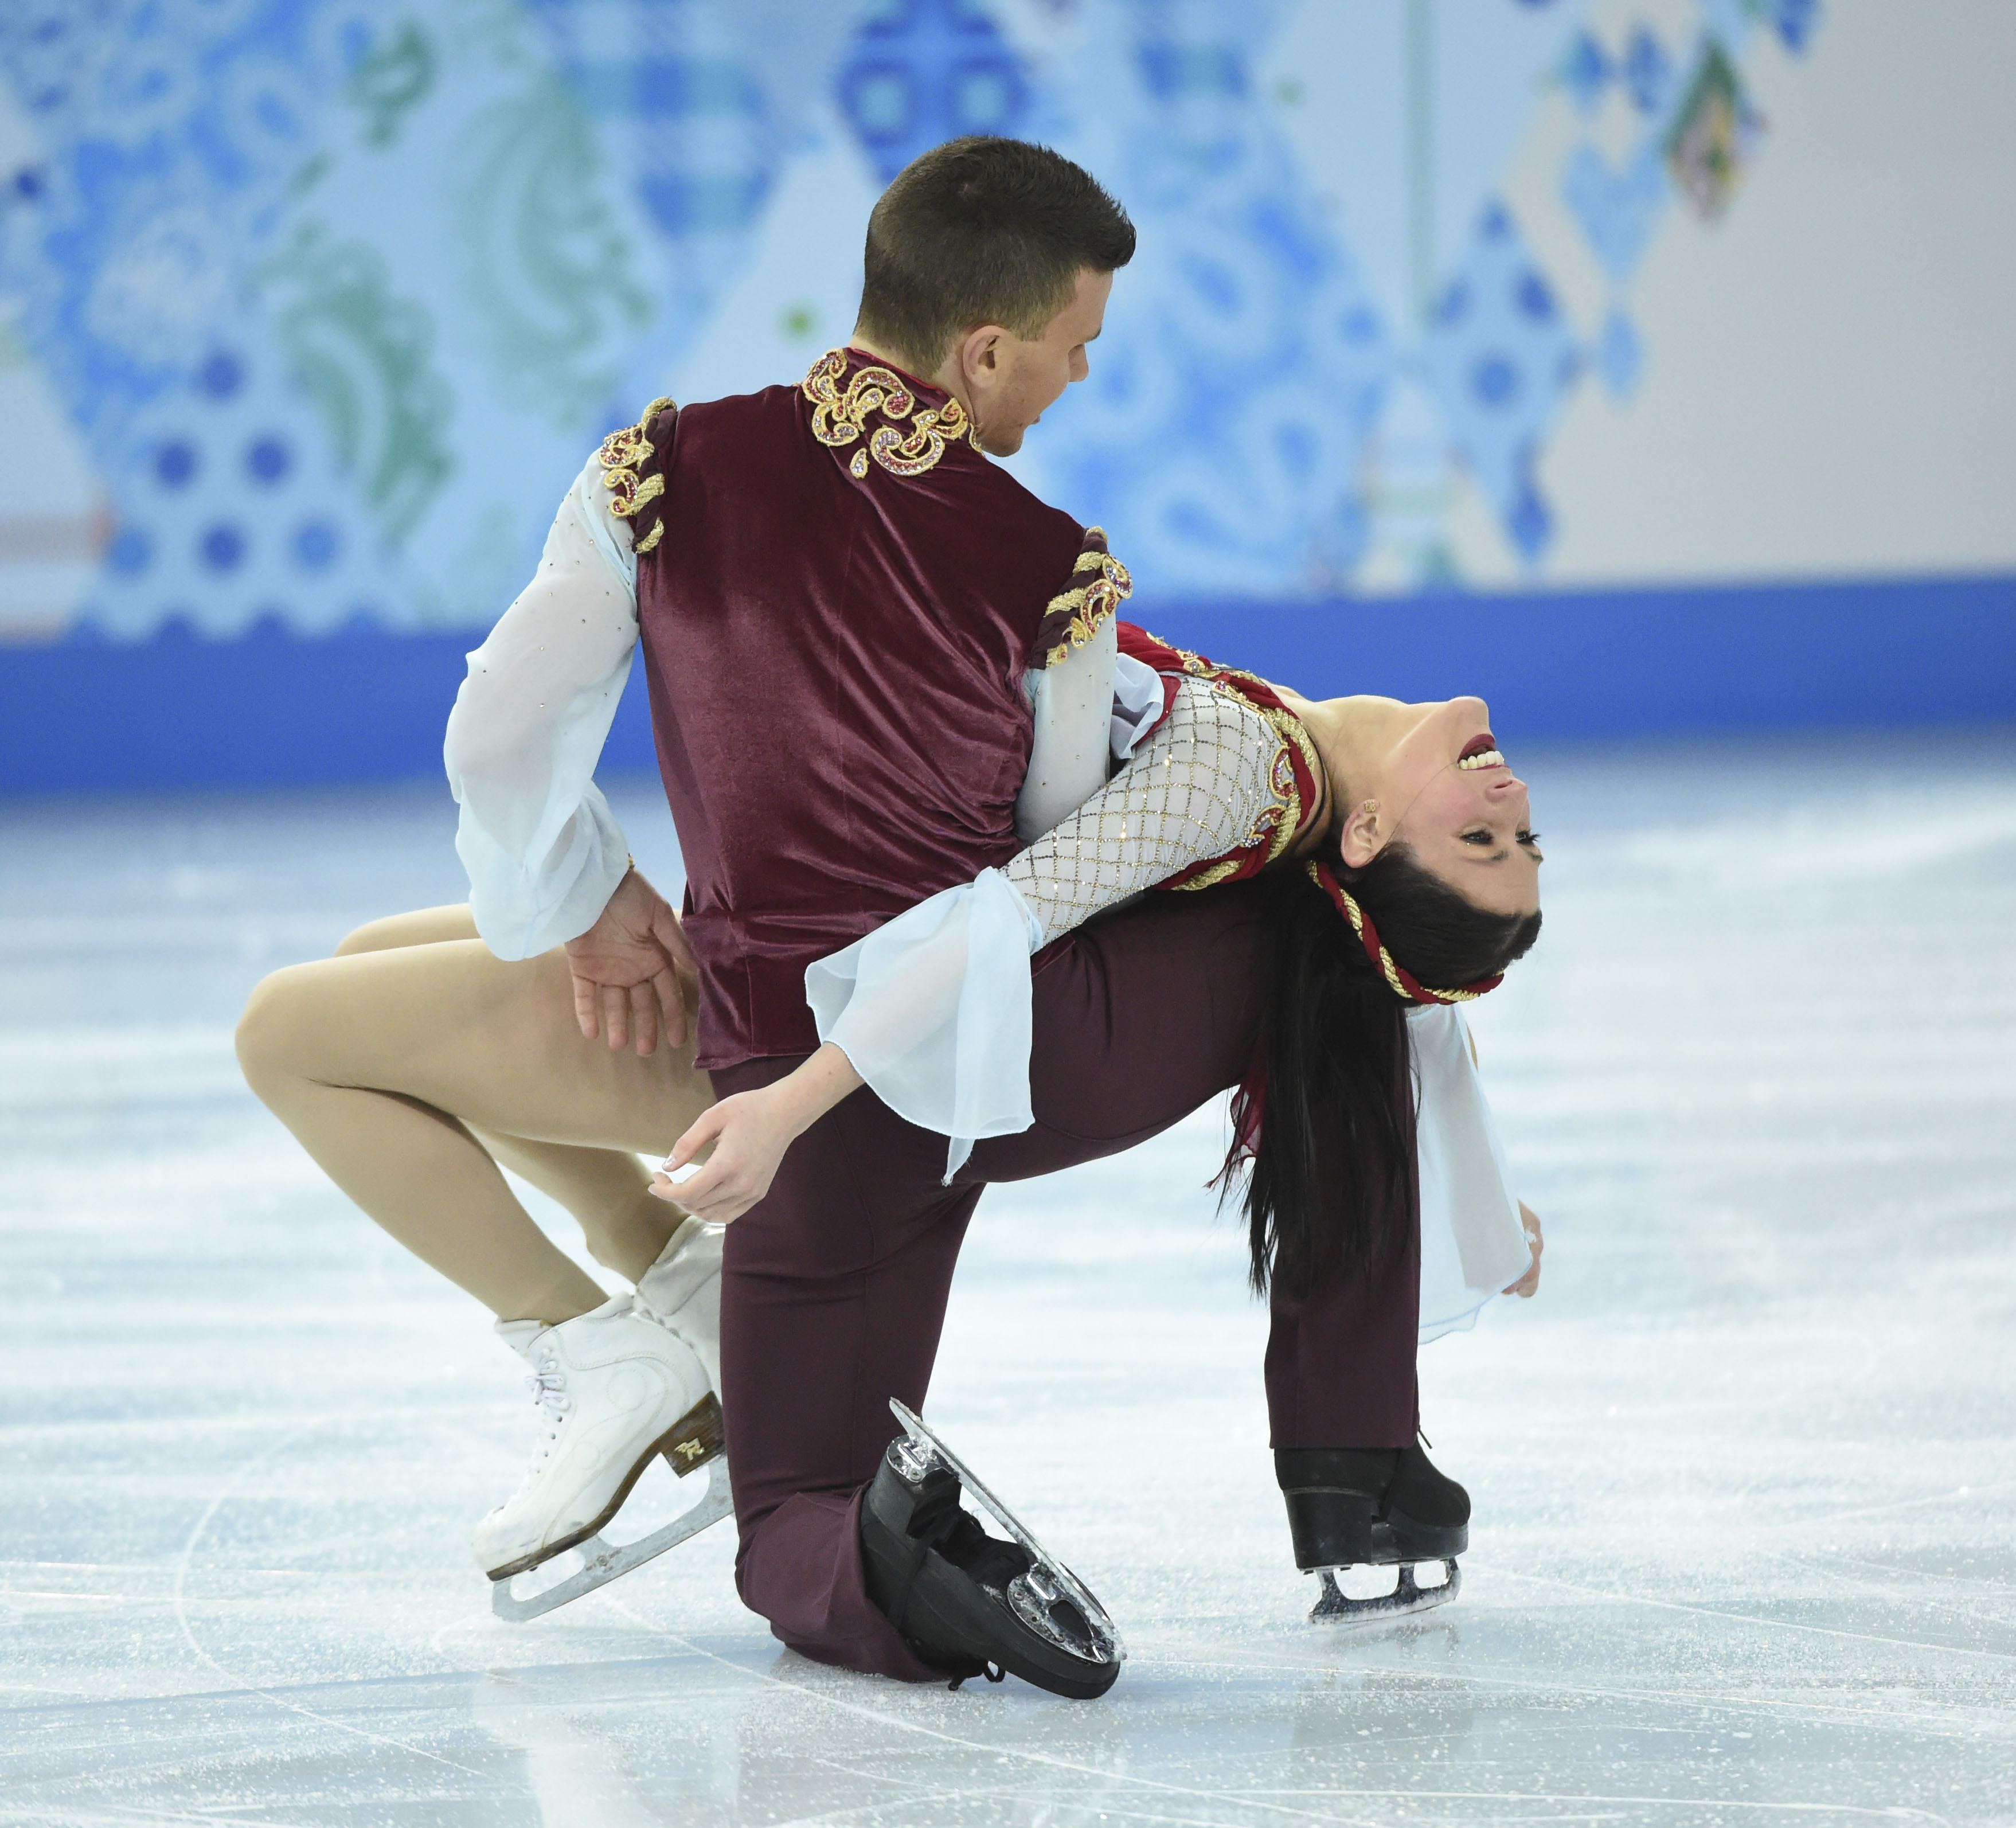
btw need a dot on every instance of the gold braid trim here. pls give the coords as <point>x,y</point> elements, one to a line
<point>1224,868</point>
<point>1289,727</point>
<point>1088,607</point>
<point>1386,967</point>
<point>1277,824</point>
<point>625,453</point>
<point>840,418</point>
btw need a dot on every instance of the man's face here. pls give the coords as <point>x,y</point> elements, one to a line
<point>1009,382</point>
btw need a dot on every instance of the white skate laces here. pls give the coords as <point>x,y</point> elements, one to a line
<point>612,1389</point>
<point>548,1385</point>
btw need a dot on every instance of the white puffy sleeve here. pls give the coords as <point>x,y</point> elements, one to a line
<point>543,850</point>
<point>1473,1242</point>
<point>933,1009</point>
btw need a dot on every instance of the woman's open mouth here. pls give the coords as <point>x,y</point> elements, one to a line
<point>1481,752</point>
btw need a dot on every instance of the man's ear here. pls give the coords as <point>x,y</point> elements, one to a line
<point>979,354</point>
<point>1364,837</point>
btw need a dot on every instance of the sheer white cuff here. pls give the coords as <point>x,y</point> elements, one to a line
<point>1473,1242</point>
<point>932,1010</point>
<point>523,911</point>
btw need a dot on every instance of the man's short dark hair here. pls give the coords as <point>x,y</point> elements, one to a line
<point>982,230</point>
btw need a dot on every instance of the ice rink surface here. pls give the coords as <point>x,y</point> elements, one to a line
<point>1744,1548</point>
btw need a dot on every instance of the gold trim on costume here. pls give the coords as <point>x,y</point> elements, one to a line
<point>840,418</point>
<point>1089,606</point>
<point>1297,733</point>
<point>1347,904</point>
<point>623,455</point>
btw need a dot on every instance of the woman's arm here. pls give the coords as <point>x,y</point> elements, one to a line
<point>749,1132</point>
<point>1194,791</point>
<point>932,1010</point>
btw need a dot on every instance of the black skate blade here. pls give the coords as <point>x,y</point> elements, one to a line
<point>609,1561</point>
<point>1334,1607</point>
<point>1085,1631</point>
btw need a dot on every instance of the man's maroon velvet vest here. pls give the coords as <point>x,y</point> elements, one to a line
<point>836,619</point>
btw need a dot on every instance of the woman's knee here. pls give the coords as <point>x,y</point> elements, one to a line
<point>272,1030</point>
<point>423,926</point>
<point>367,938</point>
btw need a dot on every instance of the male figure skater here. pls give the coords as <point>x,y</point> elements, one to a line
<point>838,596</point>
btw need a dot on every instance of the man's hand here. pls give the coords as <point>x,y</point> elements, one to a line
<point>1527,1286</point>
<point>630,969</point>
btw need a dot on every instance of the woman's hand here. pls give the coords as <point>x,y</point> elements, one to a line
<point>749,1134</point>
<point>1527,1286</point>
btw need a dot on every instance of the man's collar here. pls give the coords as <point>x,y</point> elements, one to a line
<point>905,424</point>
<point>861,357</point>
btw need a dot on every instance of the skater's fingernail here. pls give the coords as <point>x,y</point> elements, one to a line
<point>677,1175</point>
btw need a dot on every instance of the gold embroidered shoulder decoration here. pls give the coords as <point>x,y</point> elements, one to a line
<point>1098,585</point>
<point>841,417</point>
<point>623,456</point>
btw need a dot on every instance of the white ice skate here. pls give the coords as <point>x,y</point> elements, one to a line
<point>682,1289</point>
<point>614,1387</point>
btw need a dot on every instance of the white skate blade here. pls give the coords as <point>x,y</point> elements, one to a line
<point>1030,1603</point>
<point>1334,1607</point>
<point>607,1561</point>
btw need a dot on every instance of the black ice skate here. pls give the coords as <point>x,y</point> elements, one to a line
<point>1376,1507</point>
<point>966,1601</point>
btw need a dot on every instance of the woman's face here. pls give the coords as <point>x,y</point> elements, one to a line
<point>1444,790</point>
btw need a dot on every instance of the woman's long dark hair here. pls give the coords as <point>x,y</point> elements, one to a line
<point>1326,1127</point>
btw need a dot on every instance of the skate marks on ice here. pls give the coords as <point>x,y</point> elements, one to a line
<point>249,1470</point>
<point>935,1763</point>
<point>300,1691</point>
<point>1745,1545</point>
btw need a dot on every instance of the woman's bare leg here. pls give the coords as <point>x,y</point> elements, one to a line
<point>388,1061</point>
<point>607,1191</point>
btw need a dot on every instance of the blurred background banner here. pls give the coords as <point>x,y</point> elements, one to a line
<point>1643,365</point>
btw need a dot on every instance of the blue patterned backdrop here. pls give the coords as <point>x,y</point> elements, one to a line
<point>334,294</point>
<point>312,308</point>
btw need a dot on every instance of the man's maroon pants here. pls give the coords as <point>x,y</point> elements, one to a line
<point>833,1288</point>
